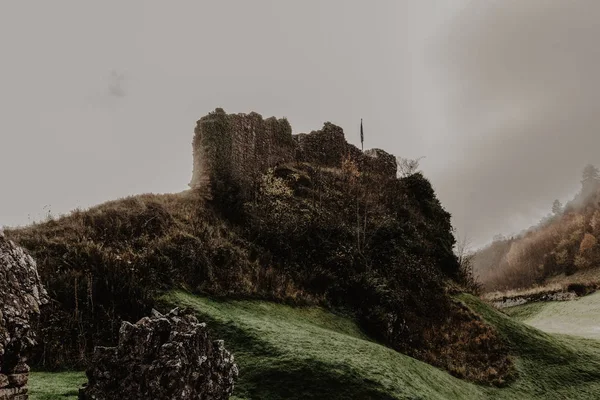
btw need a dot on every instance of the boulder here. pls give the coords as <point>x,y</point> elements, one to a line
<point>21,296</point>
<point>162,357</point>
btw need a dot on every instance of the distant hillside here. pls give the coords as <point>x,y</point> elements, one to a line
<point>563,243</point>
<point>305,219</point>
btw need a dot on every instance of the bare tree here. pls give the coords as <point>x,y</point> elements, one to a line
<point>407,166</point>
<point>465,259</point>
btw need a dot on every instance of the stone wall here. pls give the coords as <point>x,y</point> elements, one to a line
<point>162,357</point>
<point>21,295</point>
<point>239,148</point>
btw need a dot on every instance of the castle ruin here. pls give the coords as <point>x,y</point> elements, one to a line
<point>239,148</point>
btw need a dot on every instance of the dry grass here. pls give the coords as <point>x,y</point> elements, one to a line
<point>498,295</point>
<point>108,264</point>
<point>590,278</point>
<point>469,348</point>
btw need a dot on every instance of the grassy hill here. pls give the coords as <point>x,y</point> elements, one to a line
<point>297,243</point>
<point>310,353</point>
<point>333,281</point>
<point>343,233</point>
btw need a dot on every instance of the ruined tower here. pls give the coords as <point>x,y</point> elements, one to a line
<point>239,148</point>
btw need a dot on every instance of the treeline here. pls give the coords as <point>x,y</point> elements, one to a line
<point>565,241</point>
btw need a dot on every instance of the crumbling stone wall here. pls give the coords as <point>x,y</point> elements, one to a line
<point>239,148</point>
<point>163,357</point>
<point>326,148</point>
<point>21,295</point>
<point>380,162</point>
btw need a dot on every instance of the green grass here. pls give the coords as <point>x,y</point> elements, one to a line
<point>525,311</point>
<point>579,317</point>
<point>55,386</point>
<point>310,353</point>
<point>292,353</point>
<point>550,366</point>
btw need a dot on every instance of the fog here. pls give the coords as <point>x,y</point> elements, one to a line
<point>100,100</point>
<point>522,99</point>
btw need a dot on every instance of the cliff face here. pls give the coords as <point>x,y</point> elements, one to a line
<point>21,295</point>
<point>240,148</point>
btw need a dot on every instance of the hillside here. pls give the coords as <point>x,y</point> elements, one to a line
<point>304,219</point>
<point>309,353</point>
<point>562,249</point>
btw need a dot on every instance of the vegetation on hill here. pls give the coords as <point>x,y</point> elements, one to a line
<point>379,250</point>
<point>310,353</point>
<point>563,243</point>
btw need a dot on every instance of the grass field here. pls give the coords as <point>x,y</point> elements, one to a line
<point>580,317</point>
<point>295,353</point>
<point>55,386</point>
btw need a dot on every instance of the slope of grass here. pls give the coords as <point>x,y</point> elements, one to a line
<point>550,366</point>
<point>310,353</point>
<point>580,317</point>
<point>525,311</point>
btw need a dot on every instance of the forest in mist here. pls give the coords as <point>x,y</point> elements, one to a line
<point>563,242</point>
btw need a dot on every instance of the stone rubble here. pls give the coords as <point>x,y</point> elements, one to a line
<point>21,296</point>
<point>162,357</point>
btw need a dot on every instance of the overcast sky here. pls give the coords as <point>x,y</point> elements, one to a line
<point>99,99</point>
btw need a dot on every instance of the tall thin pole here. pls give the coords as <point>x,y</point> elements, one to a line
<point>362,140</point>
<point>362,136</point>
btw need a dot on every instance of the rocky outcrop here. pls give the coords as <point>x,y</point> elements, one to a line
<point>21,295</point>
<point>162,357</point>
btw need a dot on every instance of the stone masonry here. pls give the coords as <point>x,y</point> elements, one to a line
<point>239,148</point>
<point>21,295</point>
<point>163,357</point>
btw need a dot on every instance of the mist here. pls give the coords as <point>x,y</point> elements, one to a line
<point>501,98</point>
<point>522,97</point>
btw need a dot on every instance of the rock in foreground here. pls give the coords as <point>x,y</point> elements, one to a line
<point>21,295</point>
<point>162,357</point>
